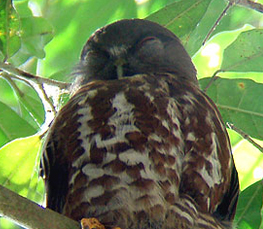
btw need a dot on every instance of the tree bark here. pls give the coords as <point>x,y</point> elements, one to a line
<point>31,215</point>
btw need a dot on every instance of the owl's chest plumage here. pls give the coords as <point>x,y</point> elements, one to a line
<point>133,151</point>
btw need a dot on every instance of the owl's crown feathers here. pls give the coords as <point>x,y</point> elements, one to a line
<point>134,46</point>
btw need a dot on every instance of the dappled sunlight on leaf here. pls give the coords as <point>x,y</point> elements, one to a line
<point>19,163</point>
<point>249,163</point>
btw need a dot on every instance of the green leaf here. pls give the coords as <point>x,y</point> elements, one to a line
<point>13,125</point>
<point>23,107</point>
<point>249,207</point>
<point>18,161</point>
<point>239,102</point>
<point>22,9</point>
<point>30,105</point>
<point>245,54</point>
<point>9,29</point>
<point>36,33</point>
<point>208,20</point>
<point>181,17</point>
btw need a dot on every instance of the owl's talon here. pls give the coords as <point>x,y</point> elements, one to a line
<point>91,223</point>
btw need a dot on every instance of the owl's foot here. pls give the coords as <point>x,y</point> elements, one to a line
<point>93,223</point>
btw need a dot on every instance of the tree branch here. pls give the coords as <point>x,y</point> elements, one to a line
<point>251,5</point>
<point>30,215</point>
<point>245,136</point>
<point>27,77</point>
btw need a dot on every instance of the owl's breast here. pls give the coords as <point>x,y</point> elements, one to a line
<point>131,151</point>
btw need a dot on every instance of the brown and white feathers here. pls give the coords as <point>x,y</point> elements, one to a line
<point>139,145</point>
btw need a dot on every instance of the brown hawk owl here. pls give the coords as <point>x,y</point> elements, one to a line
<point>139,145</point>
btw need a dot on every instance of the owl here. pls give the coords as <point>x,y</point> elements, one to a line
<point>139,145</point>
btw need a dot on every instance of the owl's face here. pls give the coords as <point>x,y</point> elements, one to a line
<point>129,47</point>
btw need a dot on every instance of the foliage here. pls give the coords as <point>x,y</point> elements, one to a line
<point>45,38</point>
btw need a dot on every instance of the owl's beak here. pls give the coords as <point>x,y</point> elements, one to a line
<point>119,67</point>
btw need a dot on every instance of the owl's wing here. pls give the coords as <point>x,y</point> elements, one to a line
<point>61,146</point>
<point>55,175</point>
<point>227,208</point>
<point>71,143</point>
<point>208,171</point>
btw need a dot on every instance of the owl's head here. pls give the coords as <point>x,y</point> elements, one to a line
<point>129,47</point>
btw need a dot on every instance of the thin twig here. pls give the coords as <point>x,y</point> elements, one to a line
<point>212,80</point>
<point>12,84</point>
<point>217,21</point>
<point>245,136</point>
<point>49,108</point>
<point>25,76</point>
<point>246,3</point>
